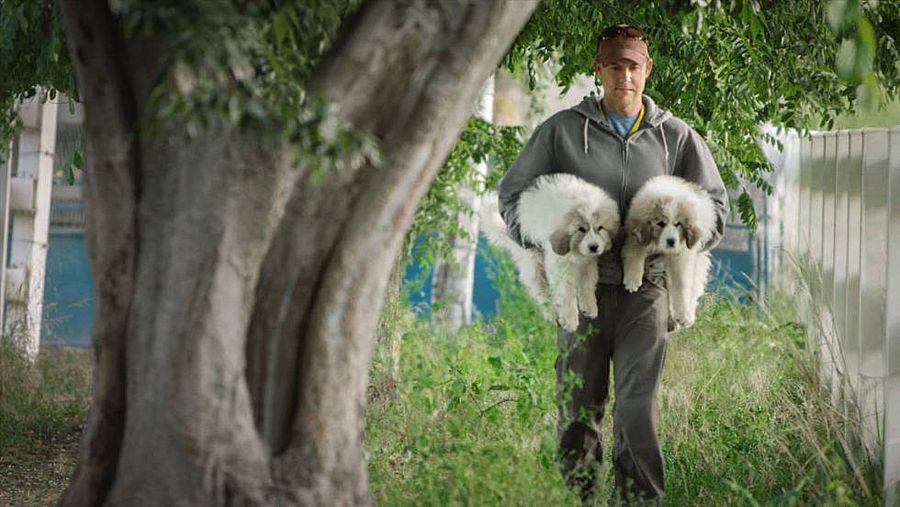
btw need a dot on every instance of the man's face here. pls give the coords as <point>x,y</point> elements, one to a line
<point>623,83</point>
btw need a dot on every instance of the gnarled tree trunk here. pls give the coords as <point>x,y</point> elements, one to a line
<point>235,300</point>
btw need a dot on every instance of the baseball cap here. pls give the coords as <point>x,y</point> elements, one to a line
<point>620,42</point>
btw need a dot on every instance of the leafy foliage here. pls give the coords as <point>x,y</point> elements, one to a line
<point>255,73</point>
<point>33,57</point>
<point>436,223</point>
<point>727,66</point>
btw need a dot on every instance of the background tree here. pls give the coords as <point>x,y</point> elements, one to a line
<point>245,201</point>
<point>727,66</point>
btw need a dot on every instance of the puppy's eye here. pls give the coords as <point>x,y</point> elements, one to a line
<point>660,224</point>
<point>677,224</point>
<point>582,229</point>
<point>599,227</point>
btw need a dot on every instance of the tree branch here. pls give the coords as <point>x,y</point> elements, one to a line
<point>408,73</point>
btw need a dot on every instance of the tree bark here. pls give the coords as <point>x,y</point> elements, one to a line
<point>387,336</point>
<point>110,195</point>
<point>236,299</point>
<point>453,280</point>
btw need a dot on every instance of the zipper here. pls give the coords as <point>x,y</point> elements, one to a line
<point>625,165</point>
<point>624,159</point>
<point>624,176</point>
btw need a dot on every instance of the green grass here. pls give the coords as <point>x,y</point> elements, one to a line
<point>42,409</point>
<point>38,401</point>
<point>744,417</point>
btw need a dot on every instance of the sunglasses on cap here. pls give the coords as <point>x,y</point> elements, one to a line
<point>626,31</point>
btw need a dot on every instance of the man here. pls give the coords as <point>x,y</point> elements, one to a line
<point>617,143</point>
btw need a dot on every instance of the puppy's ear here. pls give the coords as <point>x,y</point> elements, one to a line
<point>644,234</point>
<point>691,235</point>
<point>559,240</point>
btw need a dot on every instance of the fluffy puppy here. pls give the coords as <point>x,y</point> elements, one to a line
<point>673,217</point>
<point>572,222</point>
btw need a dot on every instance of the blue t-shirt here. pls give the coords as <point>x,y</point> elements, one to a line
<point>621,124</point>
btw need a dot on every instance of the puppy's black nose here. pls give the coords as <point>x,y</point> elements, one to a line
<point>593,247</point>
<point>670,242</point>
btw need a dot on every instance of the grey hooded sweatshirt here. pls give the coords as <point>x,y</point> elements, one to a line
<point>580,141</point>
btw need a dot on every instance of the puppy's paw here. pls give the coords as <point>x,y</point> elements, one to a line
<point>688,319</point>
<point>632,281</point>
<point>589,308</point>
<point>569,321</point>
<point>683,318</point>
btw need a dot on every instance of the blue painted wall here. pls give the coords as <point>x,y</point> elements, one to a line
<point>734,272</point>
<point>68,290</point>
<point>68,317</point>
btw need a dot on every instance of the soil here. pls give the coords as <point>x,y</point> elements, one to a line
<point>38,476</point>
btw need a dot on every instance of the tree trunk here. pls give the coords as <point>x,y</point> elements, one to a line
<point>236,301</point>
<point>453,280</point>
<point>387,341</point>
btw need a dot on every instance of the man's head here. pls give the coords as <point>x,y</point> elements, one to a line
<point>623,64</point>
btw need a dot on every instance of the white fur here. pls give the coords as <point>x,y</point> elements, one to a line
<point>660,220</point>
<point>551,212</point>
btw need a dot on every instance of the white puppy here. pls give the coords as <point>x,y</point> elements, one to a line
<point>572,222</point>
<point>673,217</point>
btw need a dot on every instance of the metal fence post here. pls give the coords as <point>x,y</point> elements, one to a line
<point>873,278</point>
<point>892,330</point>
<point>854,224</point>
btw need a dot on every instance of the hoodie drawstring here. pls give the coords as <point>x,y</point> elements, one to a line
<point>665,149</point>
<point>585,135</point>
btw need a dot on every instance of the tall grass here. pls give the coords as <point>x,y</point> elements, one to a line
<point>40,400</point>
<point>745,418</point>
<point>42,408</point>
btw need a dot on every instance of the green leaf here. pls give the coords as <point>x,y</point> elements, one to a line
<point>77,160</point>
<point>841,14</point>
<point>281,27</point>
<point>866,34</point>
<point>845,61</point>
<point>746,211</point>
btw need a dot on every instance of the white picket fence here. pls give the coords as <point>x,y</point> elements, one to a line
<point>836,206</point>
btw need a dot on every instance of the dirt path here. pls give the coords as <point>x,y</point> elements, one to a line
<point>39,475</point>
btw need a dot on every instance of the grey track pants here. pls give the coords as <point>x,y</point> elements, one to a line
<point>630,332</point>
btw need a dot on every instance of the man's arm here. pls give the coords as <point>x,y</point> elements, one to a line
<point>696,164</point>
<point>535,160</point>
